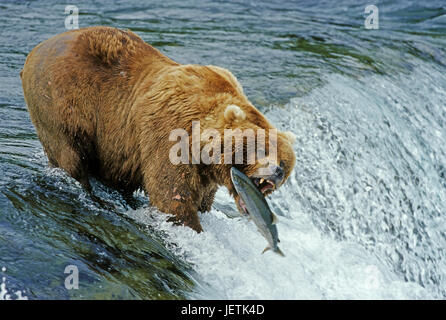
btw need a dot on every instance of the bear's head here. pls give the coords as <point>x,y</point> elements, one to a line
<point>266,155</point>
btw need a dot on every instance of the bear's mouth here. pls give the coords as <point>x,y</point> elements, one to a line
<point>265,186</point>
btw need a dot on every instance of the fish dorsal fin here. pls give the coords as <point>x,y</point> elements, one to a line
<point>274,218</point>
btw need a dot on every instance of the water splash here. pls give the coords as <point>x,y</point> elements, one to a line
<point>4,295</point>
<point>371,167</point>
<point>228,262</point>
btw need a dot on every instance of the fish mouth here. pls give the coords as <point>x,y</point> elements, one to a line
<point>265,186</point>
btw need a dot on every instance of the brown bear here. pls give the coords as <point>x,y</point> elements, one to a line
<point>104,103</point>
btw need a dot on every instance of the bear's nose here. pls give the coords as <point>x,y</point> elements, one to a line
<point>277,174</point>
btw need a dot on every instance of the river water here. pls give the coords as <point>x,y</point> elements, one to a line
<point>362,215</point>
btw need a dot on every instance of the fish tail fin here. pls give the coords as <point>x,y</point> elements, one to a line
<point>266,249</point>
<point>280,252</point>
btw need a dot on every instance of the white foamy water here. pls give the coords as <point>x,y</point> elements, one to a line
<point>371,168</point>
<point>360,218</point>
<point>6,295</point>
<point>229,265</point>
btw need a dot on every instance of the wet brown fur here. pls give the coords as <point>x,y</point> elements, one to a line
<point>104,103</point>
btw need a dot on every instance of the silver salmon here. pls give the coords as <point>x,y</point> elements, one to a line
<point>257,208</point>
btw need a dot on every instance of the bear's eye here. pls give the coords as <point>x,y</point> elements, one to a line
<point>282,164</point>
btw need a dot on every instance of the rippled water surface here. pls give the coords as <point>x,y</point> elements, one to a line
<point>362,215</point>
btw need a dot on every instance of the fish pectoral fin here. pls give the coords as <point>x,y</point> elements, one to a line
<point>266,249</point>
<point>274,219</point>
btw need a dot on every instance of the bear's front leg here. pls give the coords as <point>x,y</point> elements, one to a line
<point>175,197</point>
<point>185,213</point>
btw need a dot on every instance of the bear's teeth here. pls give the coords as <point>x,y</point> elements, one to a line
<point>269,185</point>
<point>261,180</point>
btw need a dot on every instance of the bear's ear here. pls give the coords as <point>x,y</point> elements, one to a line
<point>291,137</point>
<point>234,113</point>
